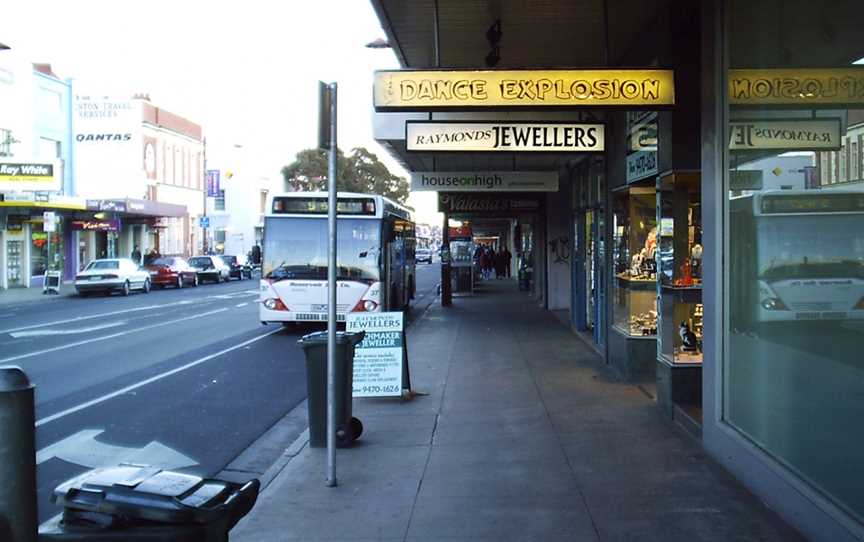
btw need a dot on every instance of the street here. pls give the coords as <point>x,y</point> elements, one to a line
<point>184,379</point>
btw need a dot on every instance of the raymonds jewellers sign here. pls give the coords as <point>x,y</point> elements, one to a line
<point>504,136</point>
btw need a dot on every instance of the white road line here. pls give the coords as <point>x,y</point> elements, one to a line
<point>106,337</point>
<point>150,380</point>
<point>112,313</point>
<point>75,331</point>
<point>238,305</point>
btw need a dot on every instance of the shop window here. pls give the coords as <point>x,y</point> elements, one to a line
<point>794,302</point>
<point>219,201</point>
<point>46,249</point>
<point>6,142</point>
<point>634,243</point>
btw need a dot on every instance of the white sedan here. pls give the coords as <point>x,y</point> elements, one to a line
<point>108,275</point>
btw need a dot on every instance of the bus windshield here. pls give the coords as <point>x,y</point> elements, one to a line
<point>296,248</point>
<point>814,246</point>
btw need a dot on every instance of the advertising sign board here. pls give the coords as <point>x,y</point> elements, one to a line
<point>484,181</point>
<point>504,137</point>
<point>464,89</point>
<point>378,360</point>
<point>30,176</point>
<point>805,87</point>
<point>787,134</point>
<point>213,181</point>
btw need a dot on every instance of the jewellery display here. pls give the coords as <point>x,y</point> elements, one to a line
<point>644,324</point>
<point>635,243</point>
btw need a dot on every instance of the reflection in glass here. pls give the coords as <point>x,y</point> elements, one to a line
<point>793,370</point>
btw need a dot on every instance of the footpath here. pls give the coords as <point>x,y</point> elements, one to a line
<point>19,296</point>
<point>523,436</point>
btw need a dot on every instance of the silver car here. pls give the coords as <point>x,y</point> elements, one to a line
<point>112,274</point>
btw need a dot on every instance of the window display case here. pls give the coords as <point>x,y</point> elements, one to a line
<point>634,238</point>
<point>680,267</point>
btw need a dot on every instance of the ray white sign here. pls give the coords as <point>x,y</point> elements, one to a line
<point>789,134</point>
<point>484,181</point>
<point>504,136</point>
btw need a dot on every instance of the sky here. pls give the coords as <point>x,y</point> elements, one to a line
<point>247,72</point>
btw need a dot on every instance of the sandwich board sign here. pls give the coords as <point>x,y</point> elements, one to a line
<point>380,361</point>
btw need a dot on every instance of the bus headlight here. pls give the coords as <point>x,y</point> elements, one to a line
<point>274,304</point>
<point>774,304</point>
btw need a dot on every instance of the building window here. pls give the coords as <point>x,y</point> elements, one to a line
<point>49,148</point>
<point>6,142</point>
<point>791,363</point>
<point>262,208</point>
<point>219,201</point>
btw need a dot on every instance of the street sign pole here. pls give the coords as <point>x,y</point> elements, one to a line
<point>331,295</point>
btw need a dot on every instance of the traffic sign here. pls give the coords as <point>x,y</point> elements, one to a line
<point>204,221</point>
<point>48,221</point>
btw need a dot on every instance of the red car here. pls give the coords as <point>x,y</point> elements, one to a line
<point>171,271</point>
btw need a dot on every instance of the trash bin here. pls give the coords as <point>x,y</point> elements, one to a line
<point>134,502</point>
<point>348,428</point>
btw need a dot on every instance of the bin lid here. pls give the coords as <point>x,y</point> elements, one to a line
<point>149,493</point>
<point>319,338</point>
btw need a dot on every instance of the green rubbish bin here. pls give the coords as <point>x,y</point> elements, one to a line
<point>348,428</point>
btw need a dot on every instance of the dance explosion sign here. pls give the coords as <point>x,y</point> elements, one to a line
<point>504,136</point>
<point>424,90</point>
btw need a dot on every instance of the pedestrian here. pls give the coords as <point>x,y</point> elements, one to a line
<point>500,265</point>
<point>506,256</point>
<point>484,263</point>
<point>492,260</point>
<point>136,255</point>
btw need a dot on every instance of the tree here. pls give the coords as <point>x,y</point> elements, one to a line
<point>360,171</point>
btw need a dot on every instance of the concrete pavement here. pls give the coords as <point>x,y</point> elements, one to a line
<point>523,436</point>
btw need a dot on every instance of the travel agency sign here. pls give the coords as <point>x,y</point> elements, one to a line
<point>460,89</point>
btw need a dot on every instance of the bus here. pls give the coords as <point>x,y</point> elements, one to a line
<point>375,257</point>
<point>796,255</point>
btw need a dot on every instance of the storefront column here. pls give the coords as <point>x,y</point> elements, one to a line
<point>25,258</point>
<point>3,282</point>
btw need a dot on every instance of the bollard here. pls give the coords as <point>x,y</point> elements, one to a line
<point>18,518</point>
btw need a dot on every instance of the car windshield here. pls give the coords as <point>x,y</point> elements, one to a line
<point>163,261</point>
<point>200,261</point>
<point>229,259</point>
<point>104,264</point>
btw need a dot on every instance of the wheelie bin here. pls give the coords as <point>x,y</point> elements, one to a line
<point>348,428</point>
<point>131,503</point>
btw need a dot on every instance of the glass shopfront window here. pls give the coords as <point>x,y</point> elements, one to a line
<point>793,371</point>
<point>46,249</point>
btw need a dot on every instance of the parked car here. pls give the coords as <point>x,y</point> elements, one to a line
<point>110,274</point>
<point>171,271</point>
<point>240,267</point>
<point>210,268</point>
<point>423,255</point>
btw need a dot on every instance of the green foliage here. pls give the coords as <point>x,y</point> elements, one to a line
<point>359,171</point>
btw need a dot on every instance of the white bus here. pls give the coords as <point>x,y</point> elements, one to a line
<point>375,257</point>
<point>797,255</point>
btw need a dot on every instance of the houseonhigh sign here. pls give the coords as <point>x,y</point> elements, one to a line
<point>423,90</point>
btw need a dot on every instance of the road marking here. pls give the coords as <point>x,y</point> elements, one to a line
<point>112,336</point>
<point>76,331</point>
<point>238,305</point>
<point>150,380</point>
<point>83,449</point>
<point>123,311</point>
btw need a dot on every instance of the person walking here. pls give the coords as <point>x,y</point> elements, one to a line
<point>506,257</point>
<point>492,260</point>
<point>484,264</point>
<point>500,264</point>
<point>136,255</point>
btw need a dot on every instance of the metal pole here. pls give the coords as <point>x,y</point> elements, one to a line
<point>18,518</point>
<point>331,297</point>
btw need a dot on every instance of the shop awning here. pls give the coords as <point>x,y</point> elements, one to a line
<point>137,207</point>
